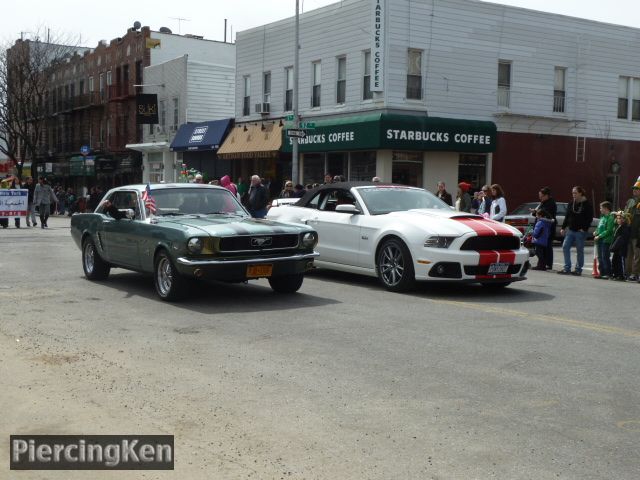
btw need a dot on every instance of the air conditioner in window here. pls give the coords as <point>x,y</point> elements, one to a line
<point>263,107</point>
<point>159,129</point>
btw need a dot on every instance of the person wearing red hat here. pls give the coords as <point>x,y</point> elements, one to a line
<point>463,199</point>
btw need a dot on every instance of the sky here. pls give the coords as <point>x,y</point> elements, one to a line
<point>87,24</point>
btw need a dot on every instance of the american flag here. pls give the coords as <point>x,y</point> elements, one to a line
<point>149,201</point>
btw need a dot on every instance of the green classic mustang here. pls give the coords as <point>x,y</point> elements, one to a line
<point>182,232</point>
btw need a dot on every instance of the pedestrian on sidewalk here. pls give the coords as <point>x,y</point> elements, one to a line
<point>603,238</point>
<point>575,228</point>
<point>619,246</point>
<point>632,209</point>
<point>541,232</point>
<point>43,197</point>
<point>548,204</point>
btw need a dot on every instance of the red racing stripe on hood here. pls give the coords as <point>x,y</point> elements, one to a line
<point>484,227</point>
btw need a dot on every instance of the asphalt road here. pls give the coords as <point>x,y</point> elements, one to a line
<point>340,381</point>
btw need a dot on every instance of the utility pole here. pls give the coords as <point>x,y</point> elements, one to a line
<point>295,175</point>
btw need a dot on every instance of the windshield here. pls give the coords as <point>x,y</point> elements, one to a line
<point>189,201</point>
<point>381,200</point>
<point>524,208</point>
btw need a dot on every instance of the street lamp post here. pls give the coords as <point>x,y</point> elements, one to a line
<point>296,59</point>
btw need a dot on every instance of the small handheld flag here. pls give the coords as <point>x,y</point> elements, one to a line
<point>149,201</point>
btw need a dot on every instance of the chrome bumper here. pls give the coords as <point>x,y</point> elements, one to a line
<point>200,263</point>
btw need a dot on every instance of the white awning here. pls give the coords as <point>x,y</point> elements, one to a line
<point>148,147</point>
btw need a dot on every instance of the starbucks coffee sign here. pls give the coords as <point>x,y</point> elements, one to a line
<point>377,47</point>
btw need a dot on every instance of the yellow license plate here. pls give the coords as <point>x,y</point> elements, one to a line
<point>257,271</point>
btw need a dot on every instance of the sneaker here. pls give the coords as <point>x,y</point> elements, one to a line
<point>563,272</point>
<point>604,277</point>
<point>632,278</point>
<point>576,273</point>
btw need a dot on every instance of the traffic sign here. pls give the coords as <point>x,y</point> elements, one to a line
<point>296,133</point>
<point>84,150</point>
<point>308,125</point>
<point>290,118</point>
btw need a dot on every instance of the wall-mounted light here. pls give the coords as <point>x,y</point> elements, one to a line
<point>615,167</point>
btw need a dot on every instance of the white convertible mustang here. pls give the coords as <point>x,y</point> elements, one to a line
<point>402,234</point>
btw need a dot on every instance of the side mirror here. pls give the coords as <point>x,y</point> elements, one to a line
<point>347,208</point>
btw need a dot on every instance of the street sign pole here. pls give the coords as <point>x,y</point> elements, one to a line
<point>295,175</point>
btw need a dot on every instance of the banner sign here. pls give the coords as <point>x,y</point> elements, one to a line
<point>13,203</point>
<point>377,47</point>
<point>146,108</point>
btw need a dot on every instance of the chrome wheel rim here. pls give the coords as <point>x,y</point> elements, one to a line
<point>89,258</point>
<point>164,276</point>
<point>391,265</point>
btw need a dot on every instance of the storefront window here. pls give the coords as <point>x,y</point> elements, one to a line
<point>363,166</point>
<point>407,168</point>
<point>313,168</point>
<point>337,164</point>
<point>472,168</point>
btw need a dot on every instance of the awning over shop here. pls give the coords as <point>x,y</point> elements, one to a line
<point>200,136</point>
<point>381,131</point>
<point>148,147</point>
<point>252,140</point>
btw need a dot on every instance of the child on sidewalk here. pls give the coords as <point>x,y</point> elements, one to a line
<point>541,232</point>
<point>619,246</point>
<point>603,238</point>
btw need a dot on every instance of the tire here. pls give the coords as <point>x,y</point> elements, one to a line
<point>395,266</point>
<point>287,283</point>
<point>95,268</point>
<point>495,286</point>
<point>169,284</point>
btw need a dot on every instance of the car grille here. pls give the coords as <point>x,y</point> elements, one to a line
<point>484,269</point>
<point>252,243</point>
<point>498,242</point>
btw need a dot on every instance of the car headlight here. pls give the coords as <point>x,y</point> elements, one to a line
<point>309,239</point>
<point>439,241</point>
<point>195,245</point>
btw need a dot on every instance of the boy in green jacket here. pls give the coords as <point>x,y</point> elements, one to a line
<point>603,238</point>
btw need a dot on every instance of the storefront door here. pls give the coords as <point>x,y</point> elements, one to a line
<point>407,168</point>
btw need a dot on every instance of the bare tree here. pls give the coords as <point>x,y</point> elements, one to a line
<point>26,71</point>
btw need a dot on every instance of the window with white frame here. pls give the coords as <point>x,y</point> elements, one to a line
<point>367,94</point>
<point>414,74</point>
<point>163,115</point>
<point>101,85</point>
<point>176,113</point>
<point>316,78</point>
<point>109,78</point>
<point>559,89</point>
<point>504,83</point>
<point>91,89</point>
<point>341,81</point>
<point>246,99</point>
<point>623,97</point>
<point>266,87</point>
<point>288,89</point>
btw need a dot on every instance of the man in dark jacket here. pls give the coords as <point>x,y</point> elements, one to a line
<point>548,204</point>
<point>575,228</point>
<point>31,213</point>
<point>258,198</point>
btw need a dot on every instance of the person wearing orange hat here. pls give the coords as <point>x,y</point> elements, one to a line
<point>632,210</point>
<point>463,199</point>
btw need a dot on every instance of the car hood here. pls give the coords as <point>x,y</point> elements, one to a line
<point>451,222</point>
<point>223,225</point>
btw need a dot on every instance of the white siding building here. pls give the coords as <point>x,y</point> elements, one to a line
<point>194,80</point>
<point>563,93</point>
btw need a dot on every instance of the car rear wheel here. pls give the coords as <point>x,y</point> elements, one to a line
<point>95,268</point>
<point>395,266</point>
<point>286,283</point>
<point>170,285</point>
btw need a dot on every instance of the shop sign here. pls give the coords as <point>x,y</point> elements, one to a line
<point>81,166</point>
<point>146,108</point>
<point>377,47</point>
<point>399,132</point>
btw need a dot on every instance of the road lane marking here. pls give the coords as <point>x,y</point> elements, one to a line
<point>596,327</point>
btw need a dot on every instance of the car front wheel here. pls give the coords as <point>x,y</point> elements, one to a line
<point>170,285</point>
<point>395,266</point>
<point>95,268</point>
<point>287,283</point>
